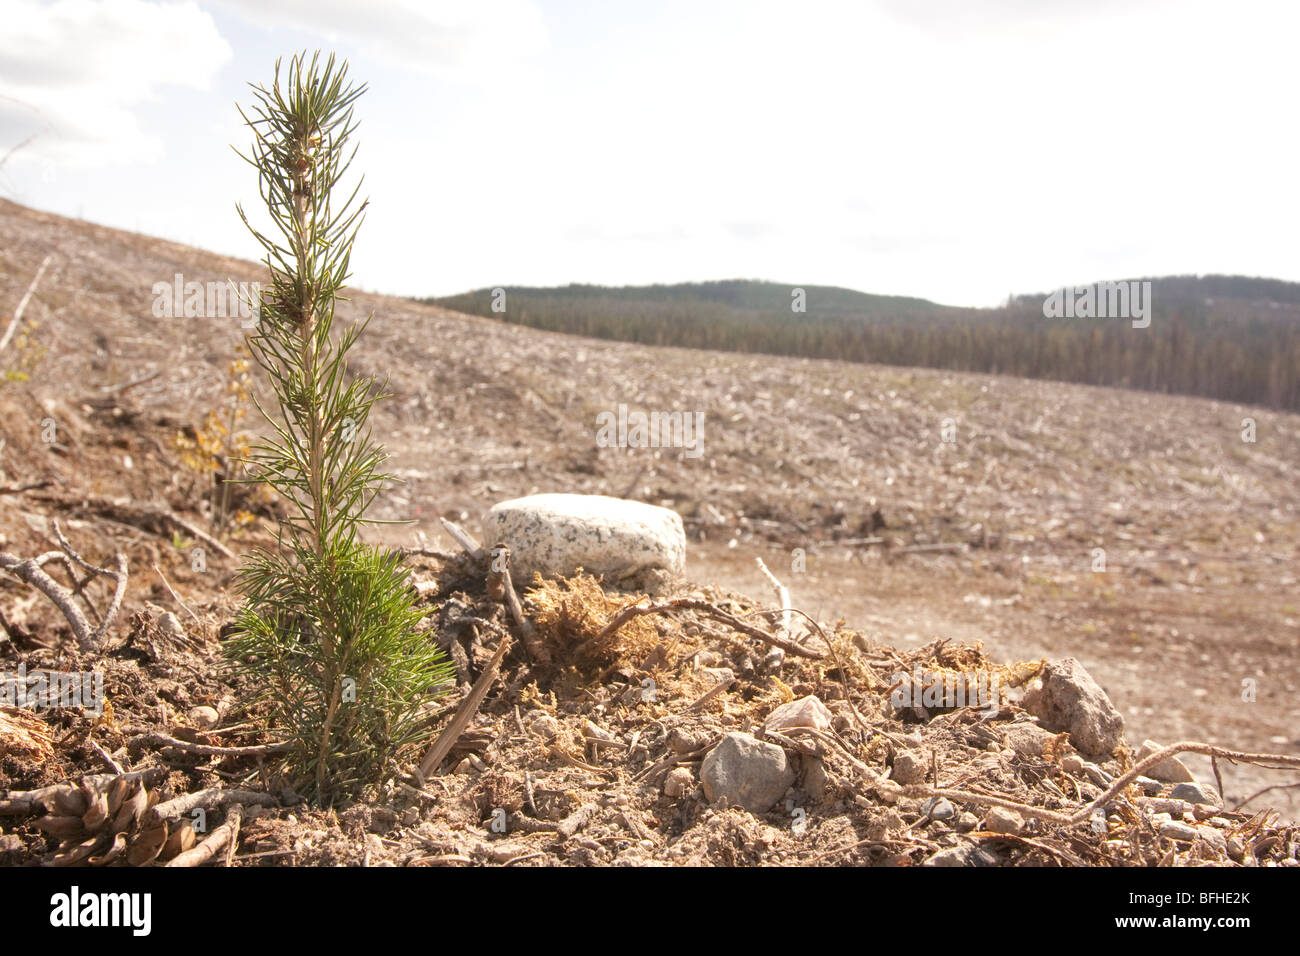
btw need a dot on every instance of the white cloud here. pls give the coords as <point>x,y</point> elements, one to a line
<point>74,71</point>
<point>464,39</point>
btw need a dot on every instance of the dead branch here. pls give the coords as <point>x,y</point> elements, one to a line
<point>207,750</point>
<point>711,693</point>
<point>626,614</point>
<point>1085,813</point>
<point>447,739</point>
<point>464,539</point>
<point>930,548</point>
<point>213,797</point>
<point>153,519</point>
<point>785,630</point>
<point>19,489</point>
<point>22,303</point>
<point>176,597</point>
<point>31,571</point>
<point>501,587</point>
<point>1187,746</point>
<point>106,758</point>
<point>127,386</point>
<point>216,841</point>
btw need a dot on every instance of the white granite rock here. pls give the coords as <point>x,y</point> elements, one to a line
<point>632,544</point>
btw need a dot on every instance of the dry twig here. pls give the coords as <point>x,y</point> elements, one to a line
<point>227,833</point>
<point>22,304</point>
<point>626,614</point>
<point>447,739</point>
<point>31,571</point>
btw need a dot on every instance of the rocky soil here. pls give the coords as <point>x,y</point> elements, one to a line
<point>838,476</point>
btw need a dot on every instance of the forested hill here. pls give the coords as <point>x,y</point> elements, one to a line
<point>1228,337</point>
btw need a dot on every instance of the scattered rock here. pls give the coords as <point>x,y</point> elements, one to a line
<point>939,808</point>
<point>1026,739</point>
<point>504,852</point>
<point>11,848</point>
<point>1169,805</point>
<point>804,712</point>
<point>631,543</point>
<point>814,778</point>
<point>968,854</point>
<point>1148,786</point>
<point>1072,763</point>
<point>1215,839</point>
<point>1194,792</point>
<point>1065,698</point>
<point>1001,820</point>
<point>680,781</point>
<point>541,724</point>
<point>967,821</point>
<point>1172,770</point>
<point>909,767</point>
<point>170,625</point>
<point>746,772</point>
<point>1236,848</point>
<point>682,741</point>
<point>205,718</point>
<point>1183,832</point>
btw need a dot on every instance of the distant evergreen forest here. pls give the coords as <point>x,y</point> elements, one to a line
<point>1227,337</point>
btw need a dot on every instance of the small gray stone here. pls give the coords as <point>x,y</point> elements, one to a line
<point>967,821</point>
<point>1149,787</point>
<point>1182,832</point>
<point>680,781</point>
<point>541,724</point>
<point>170,625</point>
<point>909,767</point>
<point>1170,770</point>
<point>746,772</point>
<point>205,718</point>
<point>815,779</point>
<point>968,854</point>
<point>1236,848</point>
<point>1066,699</point>
<point>1026,739</point>
<point>684,742</point>
<point>11,847</point>
<point>939,808</point>
<point>1215,839</point>
<point>1196,793</point>
<point>1001,820</point>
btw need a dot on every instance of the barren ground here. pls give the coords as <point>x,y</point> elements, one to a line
<point>801,460</point>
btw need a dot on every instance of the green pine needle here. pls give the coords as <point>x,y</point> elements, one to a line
<point>326,640</point>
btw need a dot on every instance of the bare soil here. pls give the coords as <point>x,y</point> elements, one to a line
<point>830,472</point>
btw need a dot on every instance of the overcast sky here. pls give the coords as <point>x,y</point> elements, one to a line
<point>956,150</point>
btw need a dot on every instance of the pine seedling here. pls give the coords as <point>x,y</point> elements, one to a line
<point>326,638</point>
